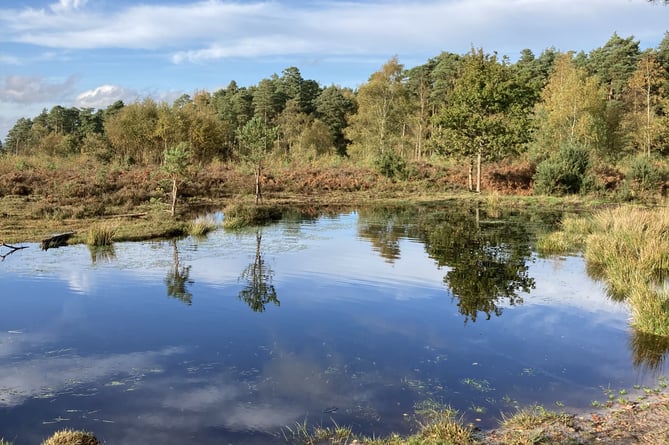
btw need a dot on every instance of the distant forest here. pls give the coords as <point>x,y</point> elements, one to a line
<point>569,114</point>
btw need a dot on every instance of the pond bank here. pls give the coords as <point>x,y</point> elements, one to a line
<point>642,422</point>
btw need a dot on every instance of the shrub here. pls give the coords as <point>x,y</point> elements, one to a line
<point>391,165</point>
<point>643,174</point>
<point>563,173</point>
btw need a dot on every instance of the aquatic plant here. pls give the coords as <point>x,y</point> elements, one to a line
<point>569,239</point>
<point>239,215</point>
<point>101,234</point>
<point>201,225</point>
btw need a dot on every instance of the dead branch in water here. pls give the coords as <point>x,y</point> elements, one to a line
<point>57,240</point>
<point>11,248</point>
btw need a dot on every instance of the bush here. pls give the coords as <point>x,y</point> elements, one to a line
<point>643,174</point>
<point>391,165</point>
<point>563,173</point>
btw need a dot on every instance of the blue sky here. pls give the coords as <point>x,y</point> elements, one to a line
<point>89,53</point>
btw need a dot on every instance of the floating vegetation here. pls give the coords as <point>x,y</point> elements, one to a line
<point>478,385</point>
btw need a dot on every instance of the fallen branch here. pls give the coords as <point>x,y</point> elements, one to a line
<point>11,248</point>
<point>126,215</point>
<point>57,240</point>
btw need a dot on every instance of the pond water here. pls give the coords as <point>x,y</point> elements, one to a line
<point>359,318</point>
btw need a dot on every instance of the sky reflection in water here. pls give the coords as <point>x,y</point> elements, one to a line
<point>357,326</point>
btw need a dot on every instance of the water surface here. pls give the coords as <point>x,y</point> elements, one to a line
<point>357,318</point>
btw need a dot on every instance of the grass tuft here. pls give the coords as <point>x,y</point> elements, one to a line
<point>101,234</point>
<point>201,226</point>
<point>535,424</point>
<point>71,437</point>
<point>237,216</point>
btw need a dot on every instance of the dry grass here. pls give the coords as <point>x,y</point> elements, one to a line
<point>71,437</point>
<point>101,234</point>
<point>201,226</point>
<point>628,248</point>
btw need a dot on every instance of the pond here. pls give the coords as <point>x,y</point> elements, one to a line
<point>360,318</point>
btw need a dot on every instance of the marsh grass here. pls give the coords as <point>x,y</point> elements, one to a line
<point>239,215</point>
<point>440,426</point>
<point>71,437</point>
<point>201,226</point>
<point>569,239</point>
<point>101,234</point>
<point>627,248</point>
<point>300,433</point>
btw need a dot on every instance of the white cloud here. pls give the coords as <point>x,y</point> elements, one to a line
<point>6,59</point>
<point>104,95</point>
<point>215,29</point>
<point>67,5</point>
<point>34,89</point>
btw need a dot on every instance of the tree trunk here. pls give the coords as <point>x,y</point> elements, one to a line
<point>470,173</point>
<point>258,190</point>
<point>478,172</point>
<point>174,196</point>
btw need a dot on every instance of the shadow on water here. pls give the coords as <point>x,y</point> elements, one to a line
<point>258,291</point>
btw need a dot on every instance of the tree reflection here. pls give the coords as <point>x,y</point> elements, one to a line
<point>384,228</point>
<point>178,278</point>
<point>259,290</point>
<point>486,257</point>
<point>487,260</point>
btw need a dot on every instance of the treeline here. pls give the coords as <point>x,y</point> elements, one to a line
<point>569,114</point>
